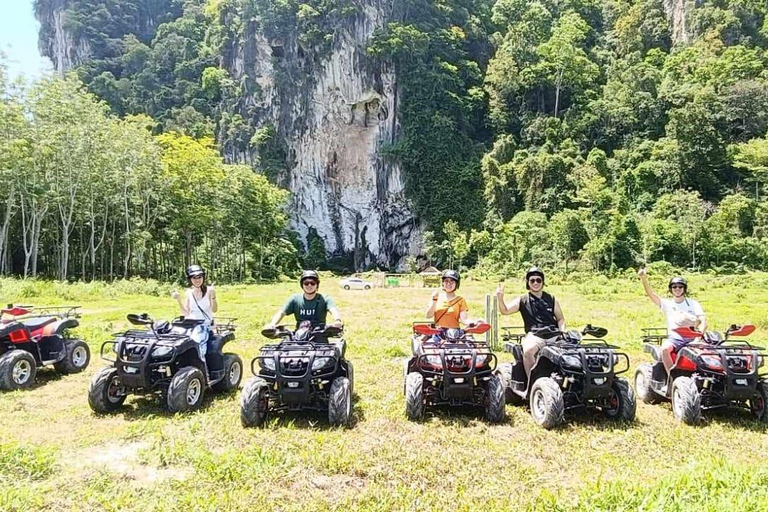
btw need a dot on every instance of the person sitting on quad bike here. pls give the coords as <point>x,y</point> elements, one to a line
<point>541,314</point>
<point>452,310</point>
<point>681,311</point>
<point>309,305</point>
<point>199,304</point>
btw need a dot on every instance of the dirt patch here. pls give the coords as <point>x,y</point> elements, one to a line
<point>123,459</point>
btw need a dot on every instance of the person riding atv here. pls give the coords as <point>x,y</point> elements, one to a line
<point>449,313</point>
<point>681,311</point>
<point>541,314</point>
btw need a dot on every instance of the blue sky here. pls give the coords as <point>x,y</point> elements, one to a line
<point>18,39</point>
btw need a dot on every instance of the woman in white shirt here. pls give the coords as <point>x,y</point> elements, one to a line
<point>681,311</point>
<point>199,303</point>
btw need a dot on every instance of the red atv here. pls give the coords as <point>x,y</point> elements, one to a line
<point>451,368</point>
<point>32,337</point>
<point>718,372</point>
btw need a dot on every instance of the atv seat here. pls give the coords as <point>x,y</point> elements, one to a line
<point>517,352</point>
<point>34,324</point>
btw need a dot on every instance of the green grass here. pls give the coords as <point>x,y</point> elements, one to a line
<point>55,454</point>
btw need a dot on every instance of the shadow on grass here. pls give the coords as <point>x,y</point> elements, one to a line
<point>461,415</point>
<point>140,407</point>
<point>733,417</point>
<point>311,419</point>
<point>46,375</point>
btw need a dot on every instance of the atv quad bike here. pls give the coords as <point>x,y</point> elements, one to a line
<point>718,372</point>
<point>304,371</point>
<point>570,373</point>
<point>163,358</point>
<point>34,337</point>
<point>451,368</point>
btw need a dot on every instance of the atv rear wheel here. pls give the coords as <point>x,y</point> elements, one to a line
<point>505,372</point>
<point>758,404</point>
<point>643,385</point>
<point>186,390</point>
<point>76,359</point>
<point>233,373</point>
<point>547,405</point>
<point>17,370</point>
<point>103,396</point>
<point>414,396</point>
<point>494,400</point>
<point>621,405</point>
<point>686,400</point>
<point>340,402</point>
<point>254,403</point>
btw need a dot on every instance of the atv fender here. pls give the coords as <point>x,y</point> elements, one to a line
<point>59,326</point>
<point>654,350</point>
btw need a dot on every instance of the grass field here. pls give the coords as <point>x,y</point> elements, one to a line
<point>55,454</point>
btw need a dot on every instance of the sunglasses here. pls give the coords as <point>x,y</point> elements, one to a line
<point>679,286</point>
<point>535,280</point>
<point>310,283</point>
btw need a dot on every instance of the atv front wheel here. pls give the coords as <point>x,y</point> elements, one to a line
<point>17,370</point>
<point>643,388</point>
<point>350,375</point>
<point>186,390</point>
<point>414,396</point>
<point>233,373</point>
<point>494,400</point>
<point>621,404</point>
<point>547,404</point>
<point>103,396</point>
<point>76,359</point>
<point>340,402</point>
<point>254,403</point>
<point>758,404</point>
<point>686,400</point>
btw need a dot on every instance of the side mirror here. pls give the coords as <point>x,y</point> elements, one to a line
<point>142,319</point>
<point>597,332</point>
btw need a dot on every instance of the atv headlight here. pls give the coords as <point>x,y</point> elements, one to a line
<point>571,360</point>
<point>712,362</point>
<point>321,362</point>
<point>434,360</point>
<point>161,351</point>
<point>267,364</point>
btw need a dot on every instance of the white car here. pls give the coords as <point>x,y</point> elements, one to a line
<point>355,283</point>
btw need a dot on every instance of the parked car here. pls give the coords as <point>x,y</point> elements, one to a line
<point>355,283</point>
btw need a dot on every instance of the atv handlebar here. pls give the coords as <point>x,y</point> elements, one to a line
<point>281,331</point>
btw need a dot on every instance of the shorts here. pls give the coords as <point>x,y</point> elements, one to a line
<point>678,343</point>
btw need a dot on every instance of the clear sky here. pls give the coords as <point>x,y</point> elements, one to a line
<point>18,40</point>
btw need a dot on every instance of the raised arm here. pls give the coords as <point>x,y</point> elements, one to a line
<point>182,303</point>
<point>505,309</point>
<point>214,302</point>
<point>647,287</point>
<point>430,313</point>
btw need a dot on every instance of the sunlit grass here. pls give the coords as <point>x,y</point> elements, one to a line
<point>144,458</point>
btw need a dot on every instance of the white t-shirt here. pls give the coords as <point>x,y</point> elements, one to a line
<point>681,314</point>
<point>200,309</point>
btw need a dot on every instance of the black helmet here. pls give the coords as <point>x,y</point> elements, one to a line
<point>309,274</point>
<point>195,270</point>
<point>678,280</point>
<point>533,271</point>
<point>452,274</point>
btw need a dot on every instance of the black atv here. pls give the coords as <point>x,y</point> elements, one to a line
<point>570,373</point>
<point>451,368</point>
<point>163,358</point>
<point>36,337</point>
<point>718,372</point>
<point>303,371</point>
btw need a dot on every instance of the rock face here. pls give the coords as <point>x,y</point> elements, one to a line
<point>334,121</point>
<point>55,41</point>
<point>677,12</point>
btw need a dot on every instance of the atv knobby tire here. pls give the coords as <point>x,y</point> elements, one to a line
<point>414,396</point>
<point>186,390</point>
<point>624,407</point>
<point>759,403</point>
<point>340,402</point>
<point>77,357</point>
<point>494,400</point>
<point>643,385</point>
<point>686,400</point>
<point>547,404</point>
<point>350,375</point>
<point>102,392</point>
<point>233,373</point>
<point>17,370</point>
<point>254,402</point>
<point>505,372</point>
